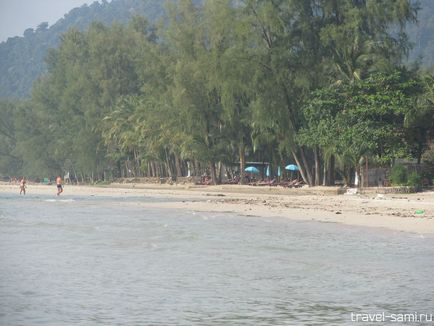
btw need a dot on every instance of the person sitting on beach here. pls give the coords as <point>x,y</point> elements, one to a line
<point>59,185</point>
<point>22,186</point>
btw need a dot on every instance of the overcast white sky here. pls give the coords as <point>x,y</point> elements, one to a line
<point>18,15</point>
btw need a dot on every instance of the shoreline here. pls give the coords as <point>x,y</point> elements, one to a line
<point>322,204</point>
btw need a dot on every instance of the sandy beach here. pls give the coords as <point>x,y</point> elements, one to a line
<point>406,212</point>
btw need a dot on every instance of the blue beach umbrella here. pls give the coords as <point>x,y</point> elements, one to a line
<point>279,173</point>
<point>292,167</point>
<point>251,169</point>
<point>267,173</point>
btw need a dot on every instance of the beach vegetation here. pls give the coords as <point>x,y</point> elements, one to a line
<point>398,175</point>
<point>215,85</point>
<point>414,180</point>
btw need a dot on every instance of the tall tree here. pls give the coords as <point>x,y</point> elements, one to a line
<point>193,93</point>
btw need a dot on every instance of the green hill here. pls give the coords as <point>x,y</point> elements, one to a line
<point>22,58</point>
<point>422,35</point>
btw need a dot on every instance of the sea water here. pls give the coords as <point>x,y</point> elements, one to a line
<point>114,261</point>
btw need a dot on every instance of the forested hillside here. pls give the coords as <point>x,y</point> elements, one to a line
<point>22,59</point>
<point>422,35</point>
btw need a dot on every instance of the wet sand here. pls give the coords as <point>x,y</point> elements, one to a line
<point>408,213</point>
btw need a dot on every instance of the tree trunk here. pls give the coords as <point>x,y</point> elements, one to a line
<point>325,175</point>
<point>242,162</point>
<point>328,172</point>
<point>178,167</point>
<point>162,171</point>
<point>348,176</point>
<point>228,173</point>
<point>213,173</point>
<point>168,166</point>
<point>188,169</point>
<point>75,175</point>
<point>168,169</point>
<point>317,167</point>
<point>219,174</point>
<point>306,165</point>
<point>304,168</point>
<point>359,176</point>
<point>331,171</point>
<point>148,169</point>
<point>155,169</point>
<point>136,163</point>
<point>195,168</point>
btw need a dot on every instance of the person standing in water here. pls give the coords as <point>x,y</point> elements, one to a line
<point>59,185</point>
<point>22,186</point>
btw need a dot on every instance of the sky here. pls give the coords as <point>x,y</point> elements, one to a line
<point>18,15</point>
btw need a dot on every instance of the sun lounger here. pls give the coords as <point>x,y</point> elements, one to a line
<point>267,183</point>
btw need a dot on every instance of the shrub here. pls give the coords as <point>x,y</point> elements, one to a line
<point>414,180</point>
<point>398,175</point>
<point>427,176</point>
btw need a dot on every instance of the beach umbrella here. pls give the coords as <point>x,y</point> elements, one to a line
<point>267,173</point>
<point>292,167</point>
<point>251,169</point>
<point>279,173</point>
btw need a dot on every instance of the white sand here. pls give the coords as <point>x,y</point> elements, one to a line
<point>395,212</point>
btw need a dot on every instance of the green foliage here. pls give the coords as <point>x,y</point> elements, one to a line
<point>428,156</point>
<point>414,180</point>
<point>9,160</point>
<point>88,73</point>
<point>358,40</point>
<point>22,58</point>
<point>263,80</point>
<point>358,118</point>
<point>398,175</point>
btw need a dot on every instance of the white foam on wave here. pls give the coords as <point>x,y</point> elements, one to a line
<point>60,200</point>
